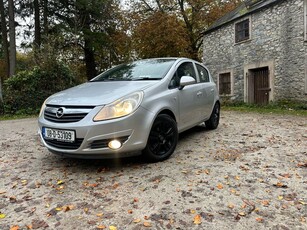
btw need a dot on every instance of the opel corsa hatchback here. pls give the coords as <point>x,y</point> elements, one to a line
<point>131,109</point>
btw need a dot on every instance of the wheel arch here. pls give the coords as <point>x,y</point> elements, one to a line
<point>169,113</point>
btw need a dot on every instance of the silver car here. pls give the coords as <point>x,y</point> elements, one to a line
<point>131,109</point>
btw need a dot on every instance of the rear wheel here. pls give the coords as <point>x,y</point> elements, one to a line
<point>162,140</point>
<point>214,119</point>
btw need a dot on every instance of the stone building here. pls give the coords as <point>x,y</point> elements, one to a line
<point>258,52</point>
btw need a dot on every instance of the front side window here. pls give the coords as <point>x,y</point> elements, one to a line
<point>224,83</point>
<point>185,69</point>
<point>203,74</point>
<point>242,31</point>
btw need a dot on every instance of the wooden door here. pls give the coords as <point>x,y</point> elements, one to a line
<point>261,85</point>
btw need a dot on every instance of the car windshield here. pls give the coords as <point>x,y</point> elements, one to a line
<point>151,69</point>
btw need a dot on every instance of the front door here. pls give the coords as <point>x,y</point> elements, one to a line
<point>259,86</point>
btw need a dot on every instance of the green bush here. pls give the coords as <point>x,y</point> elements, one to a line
<point>26,91</point>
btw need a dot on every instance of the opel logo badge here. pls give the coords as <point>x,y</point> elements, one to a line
<point>60,112</point>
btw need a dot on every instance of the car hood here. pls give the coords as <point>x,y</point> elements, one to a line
<point>97,93</point>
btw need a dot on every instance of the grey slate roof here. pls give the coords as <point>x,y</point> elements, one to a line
<point>246,8</point>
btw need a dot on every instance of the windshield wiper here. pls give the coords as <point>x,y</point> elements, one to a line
<point>146,78</point>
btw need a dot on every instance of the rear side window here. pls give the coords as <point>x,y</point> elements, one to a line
<point>203,74</point>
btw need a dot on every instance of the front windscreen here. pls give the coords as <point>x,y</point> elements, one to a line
<point>151,69</point>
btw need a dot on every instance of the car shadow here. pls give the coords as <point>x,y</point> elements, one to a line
<point>112,164</point>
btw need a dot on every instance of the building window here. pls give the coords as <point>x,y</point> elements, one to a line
<point>224,83</point>
<point>242,31</point>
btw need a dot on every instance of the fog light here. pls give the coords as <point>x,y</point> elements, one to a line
<point>115,144</point>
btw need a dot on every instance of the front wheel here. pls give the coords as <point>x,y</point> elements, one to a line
<point>162,140</point>
<point>214,119</point>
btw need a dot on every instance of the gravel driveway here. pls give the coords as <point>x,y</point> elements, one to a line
<point>250,173</point>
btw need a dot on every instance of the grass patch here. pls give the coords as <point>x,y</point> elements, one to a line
<point>281,107</point>
<point>16,116</point>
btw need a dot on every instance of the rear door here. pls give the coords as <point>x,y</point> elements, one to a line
<point>207,87</point>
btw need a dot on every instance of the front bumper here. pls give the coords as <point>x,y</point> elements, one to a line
<point>92,137</point>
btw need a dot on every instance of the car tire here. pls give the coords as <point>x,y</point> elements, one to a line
<point>162,140</point>
<point>214,119</point>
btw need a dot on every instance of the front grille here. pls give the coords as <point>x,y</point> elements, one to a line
<point>104,143</point>
<point>66,114</point>
<point>65,145</point>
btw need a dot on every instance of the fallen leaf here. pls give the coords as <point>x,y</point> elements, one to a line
<point>231,206</point>
<point>265,203</point>
<point>2,192</point>
<point>135,200</point>
<point>16,227</point>
<point>280,197</point>
<point>112,227</point>
<point>197,219</point>
<point>93,185</point>
<point>259,219</point>
<point>99,214</point>
<point>14,184</point>
<point>136,220</point>
<point>302,202</point>
<point>242,213</point>
<point>285,175</point>
<point>130,211</point>
<point>147,224</point>
<point>261,180</point>
<point>29,226</point>
<point>58,209</point>
<point>101,227</point>
<point>192,211</point>
<point>67,208</point>
<point>59,182</point>
<point>115,185</point>
<point>13,199</point>
<point>302,164</point>
<point>146,217</point>
<point>207,171</point>
<point>237,177</point>
<point>220,186</point>
<point>280,185</point>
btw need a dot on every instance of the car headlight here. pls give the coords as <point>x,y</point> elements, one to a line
<point>120,108</point>
<point>42,109</point>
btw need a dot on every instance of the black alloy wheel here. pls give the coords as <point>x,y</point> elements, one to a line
<point>162,139</point>
<point>214,119</point>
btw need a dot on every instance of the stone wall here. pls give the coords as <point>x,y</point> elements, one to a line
<point>277,38</point>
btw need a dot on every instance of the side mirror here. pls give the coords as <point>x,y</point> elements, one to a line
<point>186,80</point>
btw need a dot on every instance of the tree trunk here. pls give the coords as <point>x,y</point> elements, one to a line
<point>5,45</point>
<point>45,15</point>
<point>1,98</point>
<point>89,59</point>
<point>89,53</point>
<point>37,25</point>
<point>12,35</point>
